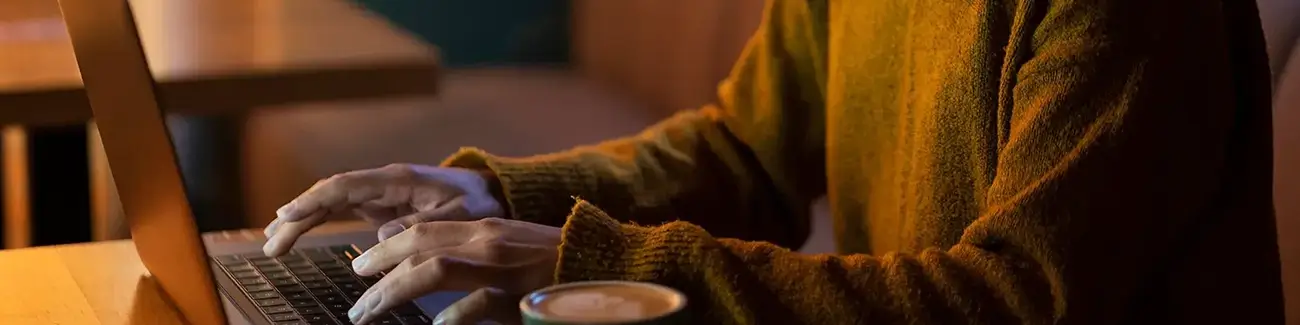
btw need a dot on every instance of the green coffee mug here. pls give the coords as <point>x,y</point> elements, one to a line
<point>604,303</point>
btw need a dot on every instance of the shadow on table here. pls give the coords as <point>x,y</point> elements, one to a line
<point>150,306</point>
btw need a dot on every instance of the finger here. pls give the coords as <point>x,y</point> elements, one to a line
<point>484,304</point>
<point>272,227</point>
<point>275,225</point>
<point>435,273</point>
<point>287,233</point>
<point>277,222</point>
<point>421,237</point>
<point>452,210</point>
<point>336,192</point>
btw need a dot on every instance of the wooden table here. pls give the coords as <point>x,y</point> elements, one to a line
<point>95,283</point>
<point>215,56</point>
<point>210,57</point>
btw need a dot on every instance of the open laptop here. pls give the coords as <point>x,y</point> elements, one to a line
<point>213,278</point>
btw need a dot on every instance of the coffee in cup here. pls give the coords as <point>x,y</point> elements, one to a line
<point>604,302</point>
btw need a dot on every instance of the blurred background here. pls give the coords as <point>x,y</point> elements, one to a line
<point>269,96</point>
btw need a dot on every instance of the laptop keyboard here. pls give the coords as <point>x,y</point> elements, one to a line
<point>312,286</point>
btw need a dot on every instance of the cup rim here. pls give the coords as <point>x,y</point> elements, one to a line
<point>528,308</point>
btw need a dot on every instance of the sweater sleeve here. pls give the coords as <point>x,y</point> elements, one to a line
<point>1126,122</point>
<point>757,153</point>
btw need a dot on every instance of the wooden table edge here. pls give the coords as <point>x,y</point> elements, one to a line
<point>236,93</point>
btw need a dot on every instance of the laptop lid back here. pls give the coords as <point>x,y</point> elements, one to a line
<point>131,123</point>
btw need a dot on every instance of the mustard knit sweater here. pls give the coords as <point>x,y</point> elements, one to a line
<point>986,161</point>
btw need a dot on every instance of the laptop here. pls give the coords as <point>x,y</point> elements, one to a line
<point>211,278</point>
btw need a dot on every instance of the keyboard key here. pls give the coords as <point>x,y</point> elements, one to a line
<point>278,275</point>
<point>258,288</point>
<point>263,261</point>
<point>252,281</point>
<point>297,296</point>
<point>270,302</point>
<point>291,323</point>
<point>244,275</point>
<point>338,307</point>
<point>343,279</point>
<point>310,310</point>
<point>318,319</point>
<point>339,298</point>
<point>298,264</point>
<point>264,295</point>
<point>353,295</point>
<point>338,271</point>
<point>229,260</point>
<point>343,317</point>
<point>284,282</point>
<point>314,277</point>
<point>323,292</point>
<point>287,317</point>
<point>271,268</point>
<point>303,303</point>
<point>324,266</point>
<point>290,289</point>
<point>239,268</point>
<point>328,299</point>
<point>407,310</point>
<point>317,254</point>
<point>410,320</point>
<point>316,284</point>
<point>387,320</point>
<point>277,309</point>
<point>349,286</point>
<point>305,271</point>
<point>291,257</point>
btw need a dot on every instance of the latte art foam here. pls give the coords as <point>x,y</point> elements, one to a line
<point>603,302</point>
<point>595,303</point>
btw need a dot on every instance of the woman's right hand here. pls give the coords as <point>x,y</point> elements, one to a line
<point>393,197</point>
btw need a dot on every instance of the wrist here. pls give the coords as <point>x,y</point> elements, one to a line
<point>494,188</point>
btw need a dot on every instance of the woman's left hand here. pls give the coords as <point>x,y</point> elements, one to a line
<point>499,259</point>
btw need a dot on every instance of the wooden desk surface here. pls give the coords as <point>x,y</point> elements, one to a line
<point>217,55</point>
<point>93,283</point>
<point>98,283</point>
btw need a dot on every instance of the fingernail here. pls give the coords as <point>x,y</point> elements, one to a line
<point>360,262</point>
<point>438,320</point>
<point>355,313</point>
<point>268,248</point>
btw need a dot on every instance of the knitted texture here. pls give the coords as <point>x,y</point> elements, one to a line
<point>990,162</point>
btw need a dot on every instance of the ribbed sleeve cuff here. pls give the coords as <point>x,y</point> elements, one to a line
<point>536,189</point>
<point>597,247</point>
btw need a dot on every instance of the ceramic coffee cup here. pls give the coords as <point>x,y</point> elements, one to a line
<point>604,303</point>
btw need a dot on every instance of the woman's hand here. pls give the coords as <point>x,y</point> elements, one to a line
<point>500,260</point>
<point>393,197</point>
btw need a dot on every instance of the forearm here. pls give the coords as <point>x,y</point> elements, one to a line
<point>688,165</point>
<point>737,282</point>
